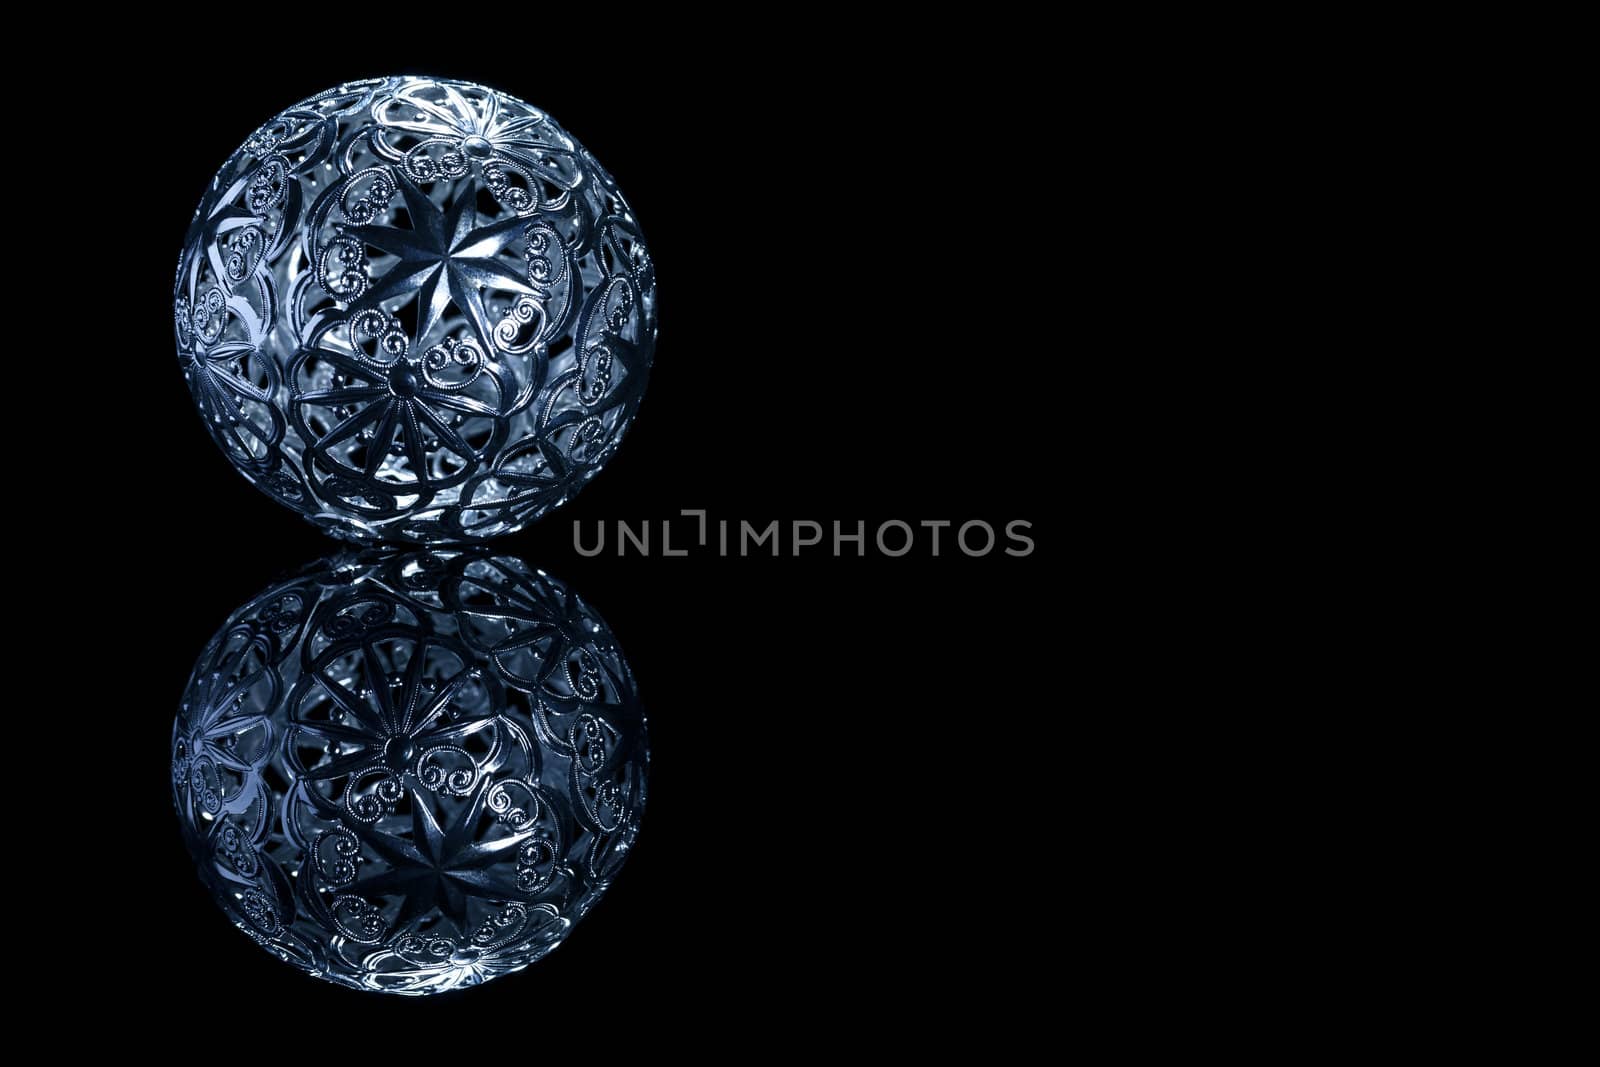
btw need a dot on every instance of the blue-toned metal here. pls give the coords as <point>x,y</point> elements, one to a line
<point>410,772</point>
<point>415,309</point>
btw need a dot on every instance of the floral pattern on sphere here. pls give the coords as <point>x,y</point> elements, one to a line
<point>410,772</point>
<point>415,309</point>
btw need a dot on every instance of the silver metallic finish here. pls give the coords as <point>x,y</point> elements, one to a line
<point>415,309</point>
<point>410,772</point>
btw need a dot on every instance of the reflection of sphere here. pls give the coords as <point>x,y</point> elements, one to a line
<point>410,772</point>
<point>416,309</point>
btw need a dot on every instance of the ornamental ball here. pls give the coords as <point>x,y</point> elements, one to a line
<point>410,772</point>
<point>415,309</point>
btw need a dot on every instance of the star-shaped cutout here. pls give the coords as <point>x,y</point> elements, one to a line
<point>445,257</point>
<point>438,866</point>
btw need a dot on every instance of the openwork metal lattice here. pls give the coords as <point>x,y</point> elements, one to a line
<point>415,309</point>
<point>410,772</point>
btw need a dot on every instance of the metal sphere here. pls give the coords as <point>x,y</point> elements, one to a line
<point>415,309</point>
<point>410,772</point>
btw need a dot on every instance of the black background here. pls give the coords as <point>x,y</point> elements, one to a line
<point>862,300</point>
